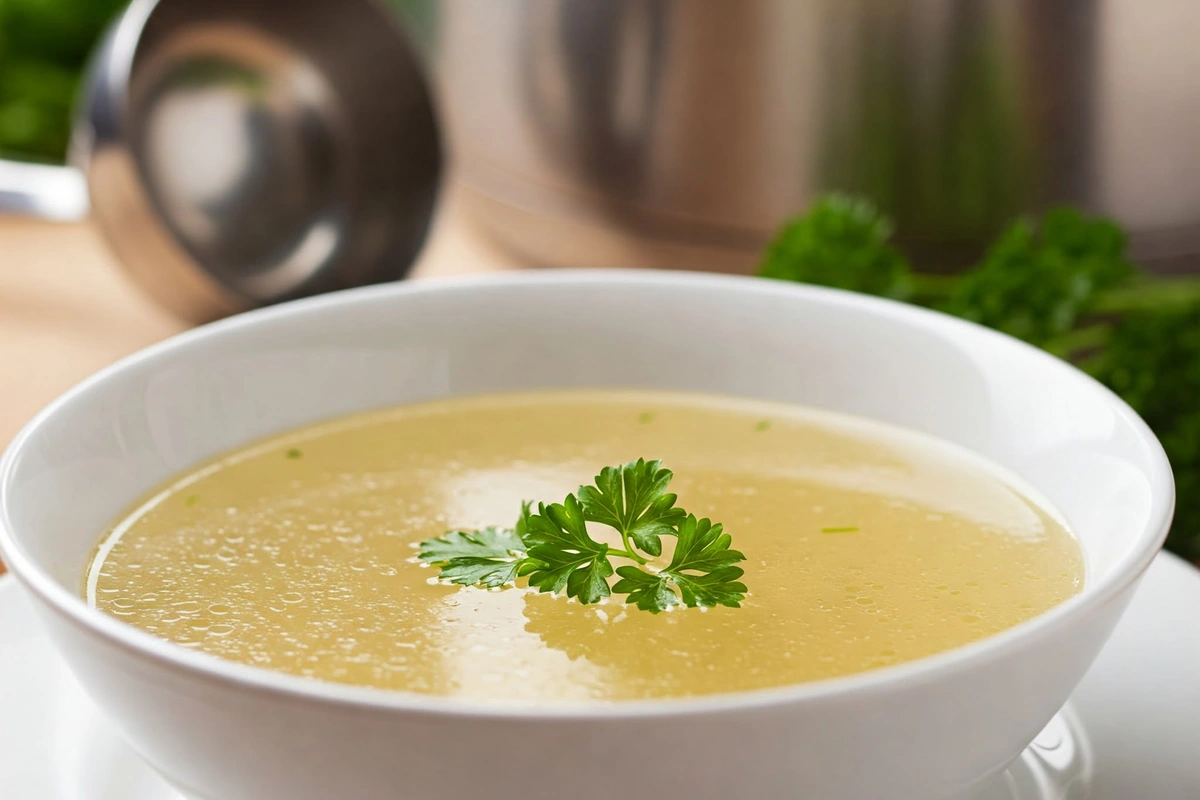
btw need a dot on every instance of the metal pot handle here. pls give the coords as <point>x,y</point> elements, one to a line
<point>43,191</point>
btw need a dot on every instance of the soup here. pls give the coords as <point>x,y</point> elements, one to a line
<point>865,545</point>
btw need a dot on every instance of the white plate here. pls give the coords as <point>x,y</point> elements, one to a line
<point>1139,707</point>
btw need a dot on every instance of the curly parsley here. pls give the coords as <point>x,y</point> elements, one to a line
<point>553,550</point>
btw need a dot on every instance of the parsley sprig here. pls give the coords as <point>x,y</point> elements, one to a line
<point>554,551</point>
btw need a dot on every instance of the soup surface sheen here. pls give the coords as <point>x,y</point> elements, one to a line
<point>297,554</point>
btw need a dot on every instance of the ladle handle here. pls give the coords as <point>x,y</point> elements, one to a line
<point>41,190</point>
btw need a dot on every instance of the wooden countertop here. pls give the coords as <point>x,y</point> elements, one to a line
<point>67,310</point>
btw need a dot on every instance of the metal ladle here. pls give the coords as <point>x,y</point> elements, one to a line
<point>242,152</point>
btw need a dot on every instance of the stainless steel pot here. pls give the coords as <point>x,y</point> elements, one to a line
<point>682,132</point>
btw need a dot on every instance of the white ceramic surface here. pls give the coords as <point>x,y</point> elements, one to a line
<point>922,730</point>
<point>55,745</point>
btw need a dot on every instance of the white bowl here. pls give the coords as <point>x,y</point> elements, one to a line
<point>926,729</point>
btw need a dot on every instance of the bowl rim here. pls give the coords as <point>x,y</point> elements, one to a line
<point>215,670</point>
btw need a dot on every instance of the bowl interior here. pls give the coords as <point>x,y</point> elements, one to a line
<point>115,437</point>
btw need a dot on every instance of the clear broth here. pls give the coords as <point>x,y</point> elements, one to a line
<point>296,554</point>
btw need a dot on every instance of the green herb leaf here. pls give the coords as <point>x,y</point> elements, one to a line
<point>633,499</point>
<point>565,555</point>
<point>484,543</point>
<point>1038,279</point>
<point>702,571</point>
<point>651,592</point>
<point>841,242</point>
<point>523,520</point>
<point>485,572</point>
<point>720,587</point>
<point>489,557</point>
<point>702,545</point>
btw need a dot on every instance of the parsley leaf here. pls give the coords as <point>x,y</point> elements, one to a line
<point>634,500</point>
<point>649,591</point>
<point>1038,280</point>
<point>701,570</point>
<point>554,550</point>
<point>489,557</point>
<point>565,555</point>
<point>843,242</point>
<point>702,546</point>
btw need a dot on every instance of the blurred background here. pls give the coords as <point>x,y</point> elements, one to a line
<point>658,130</point>
<point>44,45</point>
<point>1028,165</point>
